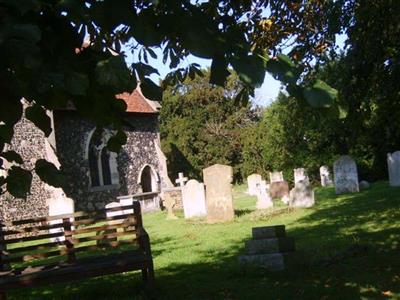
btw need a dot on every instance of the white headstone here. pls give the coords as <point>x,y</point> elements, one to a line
<point>114,213</point>
<point>58,204</point>
<point>263,198</point>
<point>194,199</point>
<point>300,174</point>
<point>252,181</point>
<point>126,202</point>
<point>393,162</point>
<point>275,176</point>
<point>345,175</point>
<point>326,179</point>
<point>110,214</point>
<point>302,195</point>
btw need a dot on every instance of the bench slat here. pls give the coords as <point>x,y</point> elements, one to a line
<point>104,236</point>
<point>32,238</point>
<point>93,220</point>
<point>71,215</point>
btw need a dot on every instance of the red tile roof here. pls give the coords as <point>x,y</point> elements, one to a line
<point>136,102</point>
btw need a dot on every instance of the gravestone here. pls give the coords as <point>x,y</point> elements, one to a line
<point>252,182</point>
<point>302,195</point>
<point>300,174</point>
<point>181,180</point>
<point>58,204</point>
<point>194,199</point>
<point>275,177</point>
<point>393,162</point>
<point>263,198</point>
<point>269,249</point>
<point>345,175</point>
<point>217,180</point>
<point>169,202</point>
<point>325,175</point>
<point>364,185</point>
<point>114,213</point>
<point>279,190</point>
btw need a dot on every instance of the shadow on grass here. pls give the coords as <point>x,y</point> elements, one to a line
<point>333,268</point>
<point>242,212</point>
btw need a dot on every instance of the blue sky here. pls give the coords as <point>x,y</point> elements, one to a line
<point>263,96</point>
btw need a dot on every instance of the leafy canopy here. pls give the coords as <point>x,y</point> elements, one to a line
<point>44,62</point>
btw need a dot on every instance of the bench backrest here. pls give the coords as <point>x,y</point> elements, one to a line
<point>42,241</point>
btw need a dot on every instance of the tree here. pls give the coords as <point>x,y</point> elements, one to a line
<point>202,125</point>
<point>290,135</point>
<point>44,62</point>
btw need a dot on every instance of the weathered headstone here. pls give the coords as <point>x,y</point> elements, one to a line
<point>279,190</point>
<point>345,175</point>
<point>194,199</point>
<point>326,179</point>
<point>302,195</point>
<point>393,162</point>
<point>300,174</point>
<point>263,198</point>
<point>169,202</point>
<point>275,177</point>
<point>217,180</point>
<point>252,181</point>
<point>364,185</point>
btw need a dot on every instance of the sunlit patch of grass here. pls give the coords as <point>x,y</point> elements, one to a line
<point>350,247</point>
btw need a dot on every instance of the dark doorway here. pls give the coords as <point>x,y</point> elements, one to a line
<point>146,180</point>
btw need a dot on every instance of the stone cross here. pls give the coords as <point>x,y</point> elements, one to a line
<point>169,203</point>
<point>181,180</point>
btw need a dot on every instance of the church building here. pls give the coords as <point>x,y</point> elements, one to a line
<point>95,176</point>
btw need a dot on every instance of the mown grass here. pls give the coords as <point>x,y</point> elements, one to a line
<point>349,246</point>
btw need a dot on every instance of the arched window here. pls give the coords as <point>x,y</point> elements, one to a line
<point>102,163</point>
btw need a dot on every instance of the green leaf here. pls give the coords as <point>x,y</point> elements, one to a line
<point>251,69</point>
<point>12,156</point>
<point>38,116</point>
<point>283,69</point>
<point>219,71</point>
<point>77,84</point>
<point>27,32</point>
<point>320,94</point>
<point>22,6</point>
<point>6,133</point>
<point>114,73</point>
<point>116,142</point>
<point>48,173</point>
<point>18,182</point>
<point>145,28</point>
<point>151,90</point>
<point>144,70</point>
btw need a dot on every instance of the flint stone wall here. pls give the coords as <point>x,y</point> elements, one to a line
<point>29,142</point>
<point>72,137</point>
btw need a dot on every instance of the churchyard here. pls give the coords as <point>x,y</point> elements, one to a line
<point>347,247</point>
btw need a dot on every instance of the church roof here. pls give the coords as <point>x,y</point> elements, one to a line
<point>137,103</point>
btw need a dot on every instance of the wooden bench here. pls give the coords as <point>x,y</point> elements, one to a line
<point>72,247</point>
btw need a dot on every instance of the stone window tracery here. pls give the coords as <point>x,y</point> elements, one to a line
<point>102,163</point>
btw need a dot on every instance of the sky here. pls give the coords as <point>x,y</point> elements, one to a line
<point>264,95</point>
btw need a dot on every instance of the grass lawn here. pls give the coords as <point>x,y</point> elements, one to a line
<point>349,246</point>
